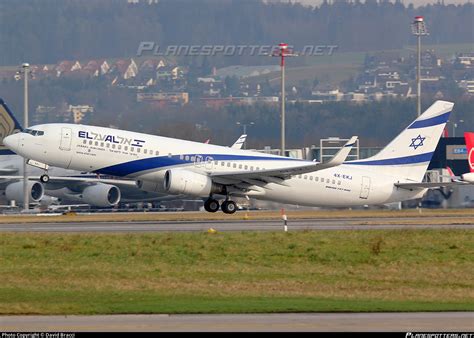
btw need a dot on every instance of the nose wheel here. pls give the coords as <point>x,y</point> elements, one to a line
<point>44,178</point>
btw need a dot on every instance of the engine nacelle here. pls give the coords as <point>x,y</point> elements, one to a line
<point>101,195</point>
<point>179,181</point>
<point>151,186</point>
<point>468,177</point>
<point>14,191</point>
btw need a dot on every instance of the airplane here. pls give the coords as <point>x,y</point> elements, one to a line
<point>69,186</point>
<point>466,178</point>
<point>174,166</point>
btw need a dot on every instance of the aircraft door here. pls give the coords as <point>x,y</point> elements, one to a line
<point>198,161</point>
<point>66,138</point>
<point>365,188</point>
<point>209,163</point>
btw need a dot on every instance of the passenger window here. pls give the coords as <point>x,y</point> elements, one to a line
<point>113,145</point>
<point>132,149</point>
<point>251,167</point>
<point>119,147</point>
<point>333,181</point>
<point>299,176</point>
<point>240,166</point>
<point>216,162</point>
<point>228,164</point>
<point>145,151</point>
<point>102,144</point>
<point>138,150</point>
<point>305,177</point>
<point>235,165</point>
<point>107,145</point>
<point>157,153</point>
<point>327,180</point>
<point>125,148</point>
<point>192,158</point>
<point>338,182</point>
<point>186,158</point>
<point>311,178</point>
<point>316,178</point>
<point>246,167</point>
<point>84,141</point>
<point>222,164</point>
<point>257,168</point>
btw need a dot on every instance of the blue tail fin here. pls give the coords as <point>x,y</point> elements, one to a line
<point>407,157</point>
<point>8,125</point>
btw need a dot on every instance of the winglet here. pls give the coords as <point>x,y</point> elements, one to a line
<point>342,154</point>
<point>240,141</point>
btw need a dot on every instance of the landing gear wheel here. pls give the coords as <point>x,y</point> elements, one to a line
<point>44,178</point>
<point>211,205</point>
<point>229,207</point>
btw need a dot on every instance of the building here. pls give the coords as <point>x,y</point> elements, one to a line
<point>181,98</point>
<point>79,112</point>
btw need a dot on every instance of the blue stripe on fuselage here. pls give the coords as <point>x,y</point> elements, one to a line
<point>426,157</point>
<point>131,167</point>
<point>434,121</point>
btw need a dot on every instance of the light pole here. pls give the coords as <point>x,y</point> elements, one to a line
<point>418,28</point>
<point>26,73</point>
<point>244,126</point>
<point>283,52</point>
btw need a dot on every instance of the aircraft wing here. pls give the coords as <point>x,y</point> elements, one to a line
<point>75,179</point>
<point>430,185</point>
<point>279,175</point>
<point>6,171</point>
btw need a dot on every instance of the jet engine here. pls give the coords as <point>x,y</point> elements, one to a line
<point>14,191</point>
<point>101,195</point>
<point>178,181</point>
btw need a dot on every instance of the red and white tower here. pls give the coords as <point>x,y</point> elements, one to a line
<point>283,52</point>
<point>418,29</point>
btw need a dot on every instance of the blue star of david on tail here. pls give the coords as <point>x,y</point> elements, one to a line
<point>417,142</point>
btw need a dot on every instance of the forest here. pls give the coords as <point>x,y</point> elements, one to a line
<point>47,31</point>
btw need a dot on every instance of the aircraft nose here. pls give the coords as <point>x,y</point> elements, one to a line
<point>11,141</point>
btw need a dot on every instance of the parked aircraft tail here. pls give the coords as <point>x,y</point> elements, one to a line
<point>469,137</point>
<point>8,125</point>
<point>408,155</point>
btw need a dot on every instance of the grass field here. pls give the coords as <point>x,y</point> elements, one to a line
<point>403,270</point>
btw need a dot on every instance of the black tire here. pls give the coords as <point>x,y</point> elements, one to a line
<point>211,205</point>
<point>229,207</point>
<point>44,178</point>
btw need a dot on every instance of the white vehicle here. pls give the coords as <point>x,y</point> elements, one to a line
<point>173,166</point>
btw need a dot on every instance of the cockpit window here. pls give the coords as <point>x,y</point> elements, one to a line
<point>33,132</point>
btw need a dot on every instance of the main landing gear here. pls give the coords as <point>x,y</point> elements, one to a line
<point>212,205</point>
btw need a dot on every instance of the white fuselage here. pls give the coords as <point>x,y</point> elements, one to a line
<point>147,157</point>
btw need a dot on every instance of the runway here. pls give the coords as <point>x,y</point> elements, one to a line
<point>241,225</point>
<point>400,322</point>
